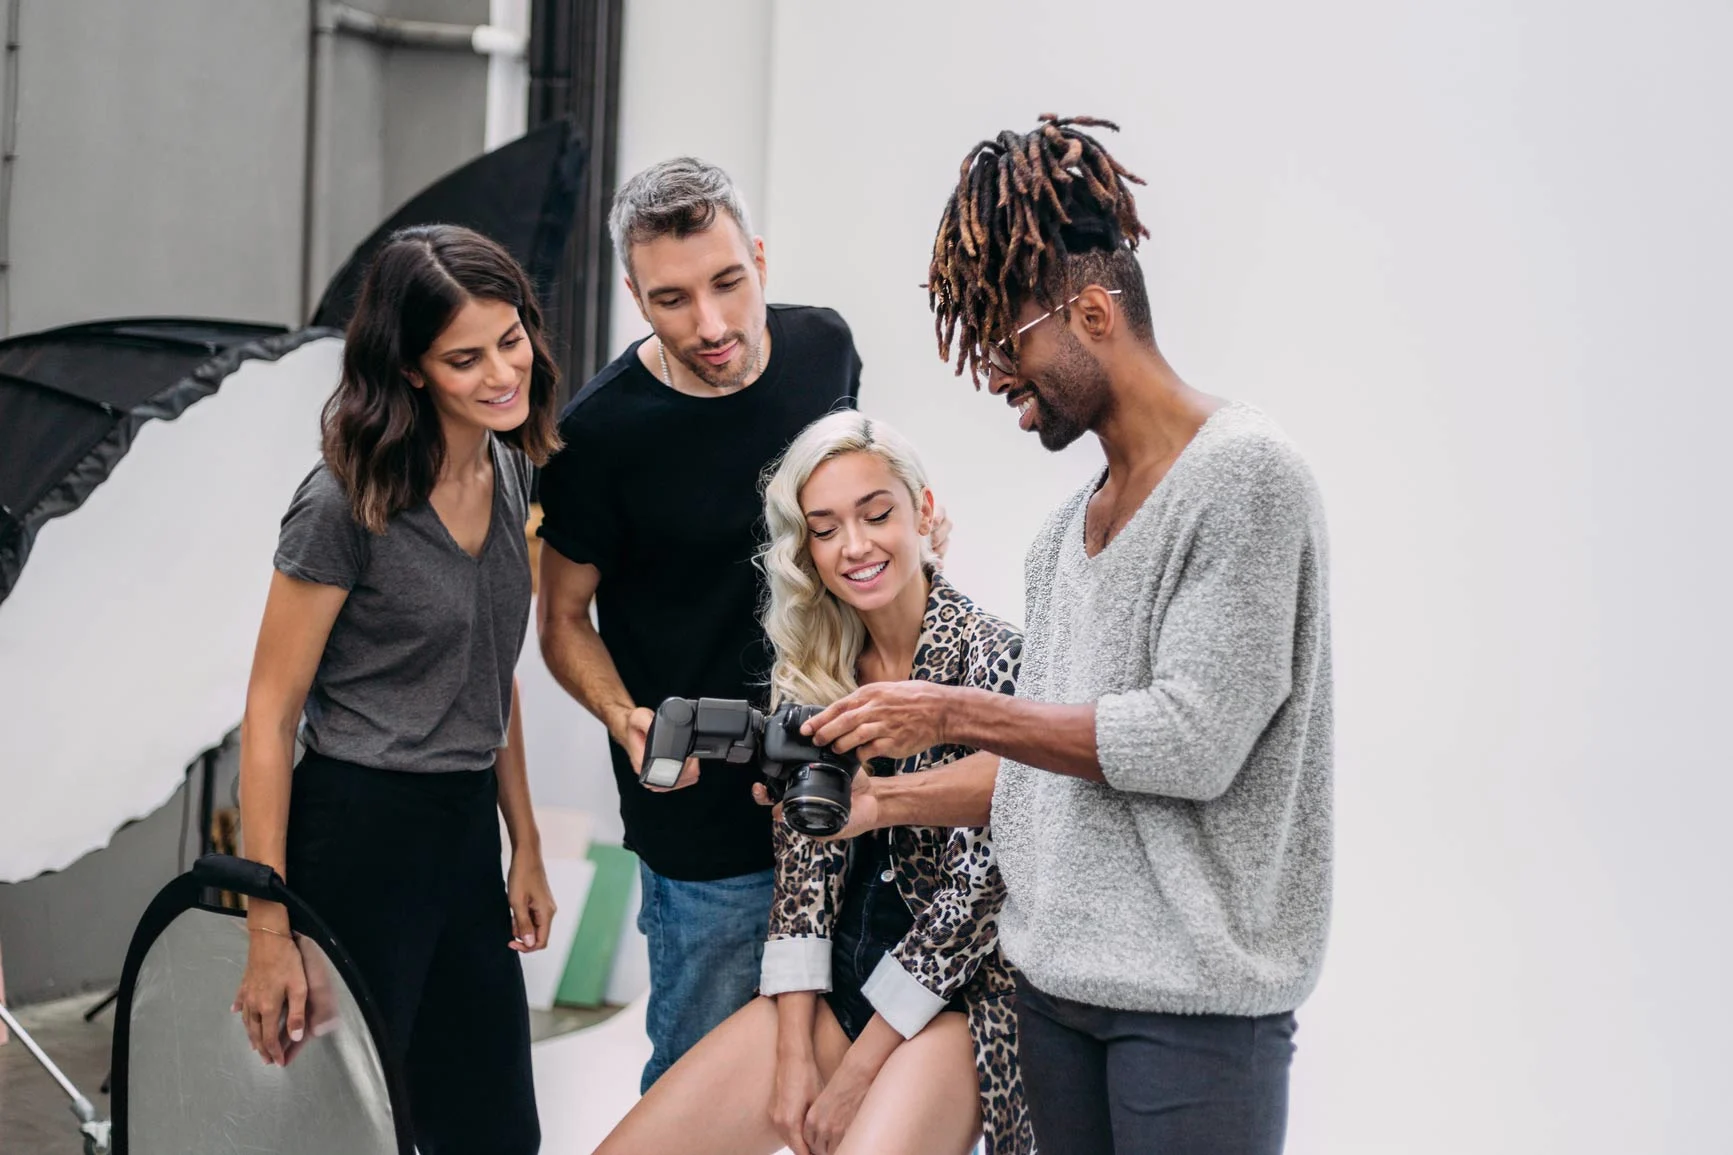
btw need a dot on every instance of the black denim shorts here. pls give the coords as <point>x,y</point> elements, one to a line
<point>873,919</point>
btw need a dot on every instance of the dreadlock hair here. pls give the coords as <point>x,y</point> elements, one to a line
<point>1040,214</point>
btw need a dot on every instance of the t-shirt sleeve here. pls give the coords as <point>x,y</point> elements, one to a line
<point>578,515</point>
<point>320,540</point>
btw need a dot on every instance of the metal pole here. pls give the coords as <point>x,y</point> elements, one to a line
<point>8,156</point>
<point>485,39</point>
<point>80,1105</point>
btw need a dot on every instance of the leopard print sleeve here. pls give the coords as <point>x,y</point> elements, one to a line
<point>959,927</point>
<point>807,894</point>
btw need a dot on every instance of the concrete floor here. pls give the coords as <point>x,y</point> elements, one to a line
<point>35,1118</point>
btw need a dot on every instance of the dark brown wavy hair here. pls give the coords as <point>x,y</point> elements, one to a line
<point>382,437</point>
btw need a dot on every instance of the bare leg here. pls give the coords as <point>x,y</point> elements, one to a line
<point>716,1099</point>
<point>926,1098</point>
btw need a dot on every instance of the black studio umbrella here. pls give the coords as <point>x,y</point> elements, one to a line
<point>73,399</point>
<point>522,194</point>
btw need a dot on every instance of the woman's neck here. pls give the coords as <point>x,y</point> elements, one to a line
<point>894,633</point>
<point>466,453</point>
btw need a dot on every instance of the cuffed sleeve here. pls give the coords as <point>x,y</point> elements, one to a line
<point>900,999</point>
<point>959,927</point>
<point>795,964</point>
<point>807,891</point>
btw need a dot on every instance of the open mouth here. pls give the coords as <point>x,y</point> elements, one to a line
<point>866,574</point>
<point>1024,402</point>
<point>502,402</point>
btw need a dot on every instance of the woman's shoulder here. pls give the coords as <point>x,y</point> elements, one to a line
<point>518,472</point>
<point>988,645</point>
<point>321,494</point>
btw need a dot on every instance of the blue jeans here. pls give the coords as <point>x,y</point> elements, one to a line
<point>706,942</point>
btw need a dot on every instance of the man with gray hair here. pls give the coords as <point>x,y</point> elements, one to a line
<point>652,510</point>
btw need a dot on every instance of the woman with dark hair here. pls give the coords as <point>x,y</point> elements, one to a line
<point>392,627</point>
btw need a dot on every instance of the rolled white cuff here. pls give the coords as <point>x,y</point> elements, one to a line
<point>795,964</point>
<point>900,998</point>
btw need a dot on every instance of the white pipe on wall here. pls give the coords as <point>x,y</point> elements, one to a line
<point>483,39</point>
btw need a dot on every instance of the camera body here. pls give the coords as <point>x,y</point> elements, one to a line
<point>812,782</point>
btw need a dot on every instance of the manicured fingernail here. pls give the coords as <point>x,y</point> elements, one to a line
<point>295,1036</point>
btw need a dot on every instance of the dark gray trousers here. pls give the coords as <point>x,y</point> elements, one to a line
<point>1129,1083</point>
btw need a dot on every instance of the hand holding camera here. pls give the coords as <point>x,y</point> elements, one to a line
<point>811,781</point>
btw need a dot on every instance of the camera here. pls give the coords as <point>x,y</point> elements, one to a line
<point>812,782</point>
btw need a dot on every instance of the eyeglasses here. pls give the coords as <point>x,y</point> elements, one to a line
<point>998,354</point>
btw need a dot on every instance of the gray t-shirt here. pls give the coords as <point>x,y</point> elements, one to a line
<point>417,673</point>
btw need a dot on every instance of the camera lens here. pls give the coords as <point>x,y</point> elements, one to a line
<point>816,800</point>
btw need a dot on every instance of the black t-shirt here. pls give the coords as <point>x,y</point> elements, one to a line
<point>659,491</point>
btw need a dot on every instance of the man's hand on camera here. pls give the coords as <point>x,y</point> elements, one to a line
<point>863,813</point>
<point>884,720</point>
<point>637,731</point>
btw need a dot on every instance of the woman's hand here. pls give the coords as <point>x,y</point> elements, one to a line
<point>532,901</point>
<point>797,1085</point>
<point>863,808</point>
<point>272,1001</point>
<point>828,1119</point>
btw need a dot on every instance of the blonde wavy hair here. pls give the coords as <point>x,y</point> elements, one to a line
<point>818,637</point>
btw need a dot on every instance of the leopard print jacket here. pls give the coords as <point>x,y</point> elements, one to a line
<point>946,875</point>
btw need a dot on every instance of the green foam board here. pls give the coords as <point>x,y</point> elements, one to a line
<point>591,961</point>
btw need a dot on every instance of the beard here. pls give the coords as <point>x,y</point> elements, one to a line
<point>1071,395</point>
<point>725,379</point>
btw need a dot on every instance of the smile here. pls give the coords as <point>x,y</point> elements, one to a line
<point>502,402</point>
<point>866,574</point>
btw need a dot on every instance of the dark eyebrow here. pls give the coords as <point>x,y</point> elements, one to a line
<point>873,496</point>
<point>517,324</point>
<point>734,270</point>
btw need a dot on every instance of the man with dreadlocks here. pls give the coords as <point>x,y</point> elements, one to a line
<point>1160,786</point>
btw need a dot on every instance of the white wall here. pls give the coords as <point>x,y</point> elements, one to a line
<point>694,87</point>
<point>1475,258</point>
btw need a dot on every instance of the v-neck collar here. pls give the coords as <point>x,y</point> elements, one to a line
<point>939,654</point>
<point>492,509</point>
<point>1080,534</point>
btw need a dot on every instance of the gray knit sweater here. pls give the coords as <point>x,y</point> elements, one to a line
<point>1197,879</point>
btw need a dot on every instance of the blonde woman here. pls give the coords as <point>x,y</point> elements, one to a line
<point>884,1021</point>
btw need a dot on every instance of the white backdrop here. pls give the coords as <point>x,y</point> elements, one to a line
<point>126,645</point>
<point>1474,257</point>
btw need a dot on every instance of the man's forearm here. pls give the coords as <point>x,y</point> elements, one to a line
<point>1060,739</point>
<point>960,794</point>
<point>579,661</point>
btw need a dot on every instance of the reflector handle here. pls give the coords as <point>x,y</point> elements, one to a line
<point>241,875</point>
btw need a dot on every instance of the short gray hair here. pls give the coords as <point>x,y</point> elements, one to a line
<point>676,198</point>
